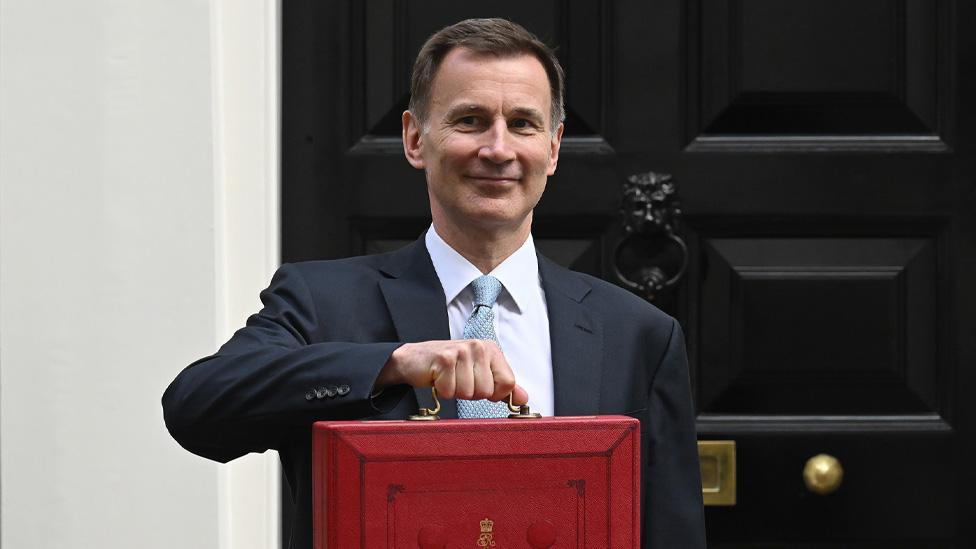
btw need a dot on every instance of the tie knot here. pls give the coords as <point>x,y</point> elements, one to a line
<point>486,289</point>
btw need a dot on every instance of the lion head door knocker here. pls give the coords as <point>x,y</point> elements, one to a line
<point>650,257</point>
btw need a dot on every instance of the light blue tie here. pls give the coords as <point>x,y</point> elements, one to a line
<point>481,325</point>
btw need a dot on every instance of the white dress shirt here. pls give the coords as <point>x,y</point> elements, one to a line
<point>521,317</point>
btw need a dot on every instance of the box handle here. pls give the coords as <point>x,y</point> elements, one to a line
<point>430,414</point>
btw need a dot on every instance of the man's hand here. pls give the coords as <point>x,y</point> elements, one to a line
<point>470,369</point>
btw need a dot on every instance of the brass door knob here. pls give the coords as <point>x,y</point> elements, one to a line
<point>823,474</point>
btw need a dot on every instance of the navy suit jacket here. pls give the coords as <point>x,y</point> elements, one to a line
<point>328,327</point>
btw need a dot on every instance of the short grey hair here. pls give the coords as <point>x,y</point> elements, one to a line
<point>496,37</point>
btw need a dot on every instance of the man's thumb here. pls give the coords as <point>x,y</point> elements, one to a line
<point>519,396</point>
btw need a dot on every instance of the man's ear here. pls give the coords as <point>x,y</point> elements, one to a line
<point>412,140</point>
<point>555,141</point>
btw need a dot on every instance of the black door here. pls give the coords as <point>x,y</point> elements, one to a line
<point>825,156</point>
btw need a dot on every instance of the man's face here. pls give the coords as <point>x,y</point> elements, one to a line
<point>489,147</point>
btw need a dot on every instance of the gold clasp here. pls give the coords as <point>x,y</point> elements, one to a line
<point>428,414</point>
<point>520,412</point>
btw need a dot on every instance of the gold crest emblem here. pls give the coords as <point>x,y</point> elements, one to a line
<point>486,537</point>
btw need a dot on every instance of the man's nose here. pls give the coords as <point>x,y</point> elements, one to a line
<point>497,147</point>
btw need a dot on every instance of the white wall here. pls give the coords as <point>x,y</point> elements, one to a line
<point>118,228</point>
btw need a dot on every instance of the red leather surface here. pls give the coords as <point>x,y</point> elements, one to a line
<point>568,482</point>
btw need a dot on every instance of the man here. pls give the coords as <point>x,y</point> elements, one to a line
<point>367,337</point>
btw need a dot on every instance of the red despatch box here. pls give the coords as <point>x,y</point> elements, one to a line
<point>563,482</point>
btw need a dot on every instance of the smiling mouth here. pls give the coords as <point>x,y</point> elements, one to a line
<point>493,178</point>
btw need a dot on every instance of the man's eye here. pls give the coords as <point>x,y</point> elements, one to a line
<point>468,121</point>
<point>523,124</point>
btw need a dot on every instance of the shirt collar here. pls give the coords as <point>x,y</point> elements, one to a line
<point>518,273</point>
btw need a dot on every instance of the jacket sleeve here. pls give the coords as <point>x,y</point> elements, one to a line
<point>273,376</point>
<point>674,514</point>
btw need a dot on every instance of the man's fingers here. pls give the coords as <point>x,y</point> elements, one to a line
<point>484,383</point>
<point>468,369</point>
<point>504,383</point>
<point>503,379</point>
<point>464,374</point>
<point>443,370</point>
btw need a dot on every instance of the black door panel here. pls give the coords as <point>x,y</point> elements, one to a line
<point>825,156</point>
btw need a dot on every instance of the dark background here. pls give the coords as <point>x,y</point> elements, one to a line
<point>825,157</point>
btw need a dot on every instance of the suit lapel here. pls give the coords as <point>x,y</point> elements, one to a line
<point>417,306</point>
<point>576,337</point>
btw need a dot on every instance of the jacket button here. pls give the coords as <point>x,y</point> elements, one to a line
<point>320,392</point>
<point>331,391</point>
<point>342,390</point>
<point>310,395</point>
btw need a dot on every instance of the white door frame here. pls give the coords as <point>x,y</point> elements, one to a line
<point>245,49</point>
